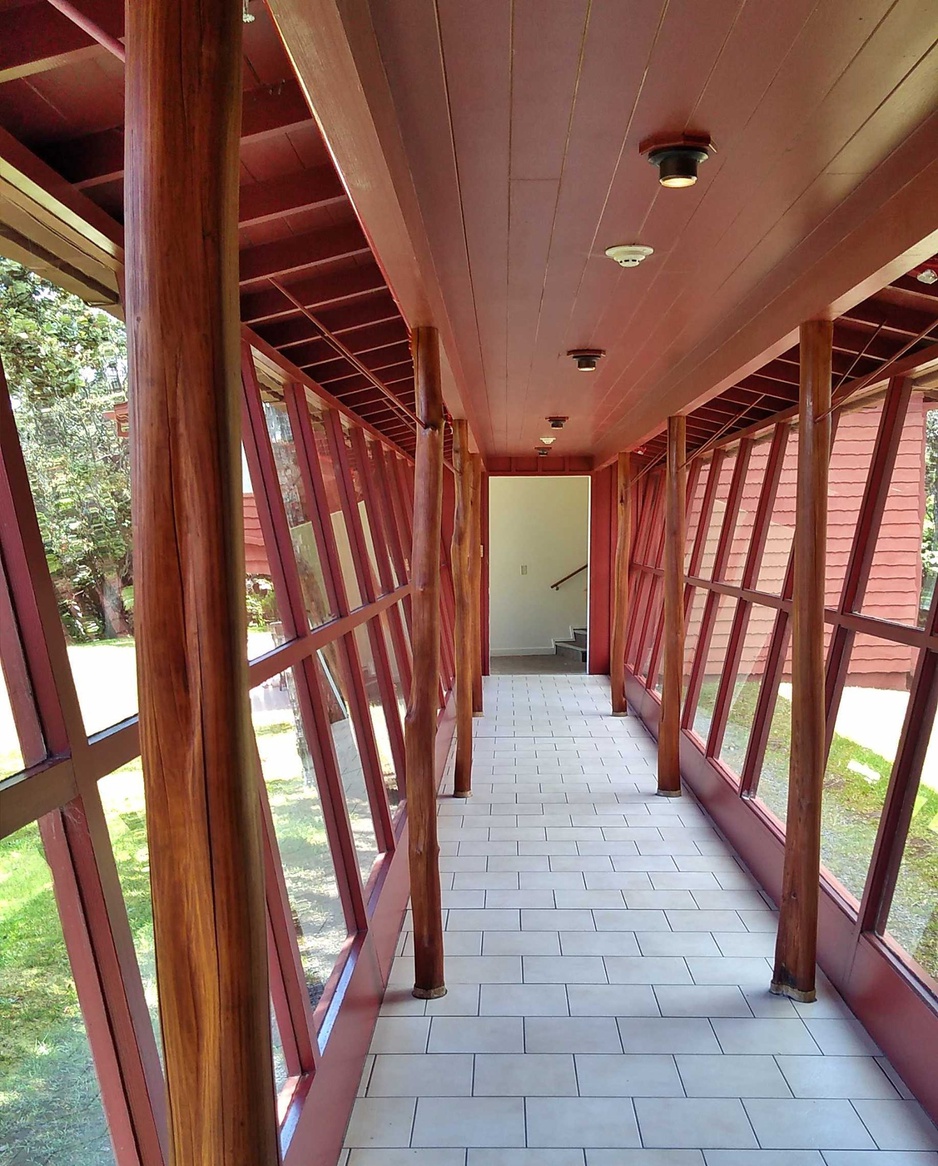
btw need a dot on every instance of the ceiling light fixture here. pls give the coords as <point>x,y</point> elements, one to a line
<point>677,158</point>
<point>247,16</point>
<point>927,276</point>
<point>557,422</point>
<point>541,451</point>
<point>629,254</point>
<point>586,359</point>
<point>548,440</point>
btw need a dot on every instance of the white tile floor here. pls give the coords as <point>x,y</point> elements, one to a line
<point>608,962</point>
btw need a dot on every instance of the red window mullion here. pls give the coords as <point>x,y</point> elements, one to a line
<point>129,1107</point>
<point>381,529</point>
<point>659,635</point>
<point>377,795</point>
<point>720,559</point>
<point>734,649</point>
<point>869,520</point>
<point>389,486</point>
<point>268,498</point>
<point>901,793</point>
<point>291,1001</point>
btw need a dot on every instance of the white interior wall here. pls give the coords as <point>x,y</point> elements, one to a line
<point>541,525</point>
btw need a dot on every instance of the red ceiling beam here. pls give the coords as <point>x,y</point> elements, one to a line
<point>352,384</point>
<point>336,372</point>
<point>262,201</point>
<point>336,366</point>
<point>365,340</point>
<point>36,37</point>
<point>98,158</point>
<point>300,252</point>
<point>893,319</point>
<point>322,291</point>
<point>357,318</point>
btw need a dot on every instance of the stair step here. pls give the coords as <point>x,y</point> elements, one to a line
<point>571,649</point>
<point>579,636</point>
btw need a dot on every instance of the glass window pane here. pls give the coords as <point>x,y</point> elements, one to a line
<point>336,515</point>
<point>358,487</point>
<point>651,628</point>
<point>293,794</point>
<point>773,777</point>
<point>374,454</point>
<point>696,509</point>
<point>713,669</point>
<point>50,1104</point>
<point>781,530</point>
<point>746,687</point>
<point>640,584</point>
<point>863,749</point>
<point>66,365</point>
<point>717,515</point>
<point>692,635</point>
<point>334,662</point>
<point>913,916</point>
<point>851,454</point>
<point>379,722</point>
<point>126,816</point>
<point>296,504</point>
<point>11,754</point>
<point>901,580</point>
<point>265,629</point>
<point>748,504</point>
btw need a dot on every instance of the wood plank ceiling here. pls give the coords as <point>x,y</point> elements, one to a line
<point>522,125</point>
<point>310,285</point>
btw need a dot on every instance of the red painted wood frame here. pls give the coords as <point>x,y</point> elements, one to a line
<point>324,1049</point>
<point>895,998</point>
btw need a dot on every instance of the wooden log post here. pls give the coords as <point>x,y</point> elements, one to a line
<point>669,726</point>
<point>620,608</point>
<point>796,946</point>
<point>420,724</point>
<point>463,549</point>
<point>183,90</point>
<point>475,576</point>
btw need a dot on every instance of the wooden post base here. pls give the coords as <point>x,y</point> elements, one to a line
<point>462,793</point>
<point>623,713</point>
<point>793,993</point>
<point>429,993</point>
<point>668,793</point>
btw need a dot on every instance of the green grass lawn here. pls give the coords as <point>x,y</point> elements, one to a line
<point>855,786</point>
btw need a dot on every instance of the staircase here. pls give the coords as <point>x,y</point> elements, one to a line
<point>574,648</point>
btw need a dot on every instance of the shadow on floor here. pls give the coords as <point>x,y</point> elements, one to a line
<point>534,665</point>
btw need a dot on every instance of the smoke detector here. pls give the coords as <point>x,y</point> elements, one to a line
<point>629,254</point>
<point>586,359</point>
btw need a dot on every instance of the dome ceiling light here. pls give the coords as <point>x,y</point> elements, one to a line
<point>548,440</point>
<point>629,254</point>
<point>586,359</point>
<point>677,158</point>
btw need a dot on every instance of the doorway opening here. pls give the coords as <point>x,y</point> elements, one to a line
<point>538,574</point>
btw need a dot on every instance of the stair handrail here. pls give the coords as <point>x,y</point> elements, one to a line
<point>556,586</point>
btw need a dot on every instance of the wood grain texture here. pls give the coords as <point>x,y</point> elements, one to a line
<point>420,723</point>
<point>475,577</point>
<point>463,549</point>
<point>669,730</point>
<point>203,822</point>
<point>620,600</point>
<point>796,946</point>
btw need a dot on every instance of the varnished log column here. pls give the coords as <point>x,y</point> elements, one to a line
<point>475,578</point>
<point>620,602</point>
<point>420,724</point>
<point>203,823</point>
<point>463,549</point>
<point>796,946</point>
<point>669,726</point>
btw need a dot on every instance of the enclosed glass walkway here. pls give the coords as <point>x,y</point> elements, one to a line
<point>608,961</point>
